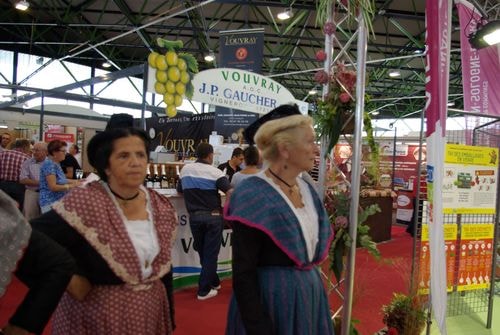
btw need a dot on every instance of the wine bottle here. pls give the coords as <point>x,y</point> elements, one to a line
<point>164,179</point>
<point>156,177</point>
<point>149,177</point>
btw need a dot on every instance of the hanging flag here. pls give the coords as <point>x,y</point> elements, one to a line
<point>480,68</point>
<point>438,24</point>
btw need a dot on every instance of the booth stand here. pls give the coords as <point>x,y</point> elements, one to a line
<point>380,223</point>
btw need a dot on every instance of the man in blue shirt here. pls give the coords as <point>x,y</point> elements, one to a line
<point>200,183</point>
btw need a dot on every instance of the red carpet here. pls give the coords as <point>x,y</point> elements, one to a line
<point>374,284</point>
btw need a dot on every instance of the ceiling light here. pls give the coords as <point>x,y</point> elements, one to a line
<point>106,65</point>
<point>285,15</point>
<point>451,103</point>
<point>3,125</point>
<point>394,74</point>
<point>486,35</point>
<point>22,5</point>
<point>210,57</point>
<point>313,92</point>
<point>375,113</point>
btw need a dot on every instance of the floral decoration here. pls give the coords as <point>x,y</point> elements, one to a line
<point>336,110</point>
<point>404,315</point>
<point>337,205</point>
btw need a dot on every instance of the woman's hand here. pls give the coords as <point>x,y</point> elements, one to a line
<point>79,287</point>
<point>14,330</point>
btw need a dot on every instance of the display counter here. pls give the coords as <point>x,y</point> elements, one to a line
<point>184,258</point>
<point>380,223</point>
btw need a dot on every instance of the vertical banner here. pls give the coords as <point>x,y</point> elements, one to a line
<point>239,49</point>
<point>438,24</point>
<point>476,254</point>
<point>480,68</point>
<point>470,186</point>
<point>450,249</point>
<point>242,49</point>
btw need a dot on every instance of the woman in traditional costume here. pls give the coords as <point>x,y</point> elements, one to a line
<point>280,232</point>
<point>121,236</point>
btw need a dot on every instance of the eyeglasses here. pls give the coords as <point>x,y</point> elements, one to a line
<point>62,150</point>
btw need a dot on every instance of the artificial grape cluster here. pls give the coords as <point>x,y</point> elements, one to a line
<point>174,72</point>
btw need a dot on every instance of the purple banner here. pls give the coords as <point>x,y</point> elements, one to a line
<point>438,24</point>
<point>480,68</point>
<point>437,65</point>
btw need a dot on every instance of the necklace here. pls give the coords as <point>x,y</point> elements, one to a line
<point>291,187</point>
<point>122,198</point>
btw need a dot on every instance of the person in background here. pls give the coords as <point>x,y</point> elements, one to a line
<point>10,170</point>
<point>252,158</point>
<point>40,263</point>
<point>280,232</point>
<point>200,183</point>
<point>74,150</point>
<point>69,166</point>
<point>233,165</point>
<point>53,183</point>
<point>121,236</point>
<point>30,178</point>
<point>6,139</point>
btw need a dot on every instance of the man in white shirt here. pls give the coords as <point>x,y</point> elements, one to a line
<point>30,178</point>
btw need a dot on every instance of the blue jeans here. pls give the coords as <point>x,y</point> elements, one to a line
<point>207,238</point>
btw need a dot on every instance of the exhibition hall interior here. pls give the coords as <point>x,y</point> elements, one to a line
<point>250,167</point>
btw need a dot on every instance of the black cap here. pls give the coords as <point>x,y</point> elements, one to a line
<point>117,124</point>
<point>277,113</point>
<point>121,120</point>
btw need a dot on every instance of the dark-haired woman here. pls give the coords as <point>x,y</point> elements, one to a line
<point>121,236</point>
<point>53,183</point>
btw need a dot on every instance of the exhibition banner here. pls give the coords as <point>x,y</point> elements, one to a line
<point>180,134</point>
<point>438,33</point>
<point>241,49</point>
<point>470,180</point>
<point>476,254</point>
<point>230,123</point>
<point>243,90</point>
<point>68,138</point>
<point>400,164</point>
<point>185,259</point>
<point>480,68</point>
<point>238,49</point>
<point>450,249</point>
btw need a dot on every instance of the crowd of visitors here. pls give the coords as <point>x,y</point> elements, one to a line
<point>97,256</point>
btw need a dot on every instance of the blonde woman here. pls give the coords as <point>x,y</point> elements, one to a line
<point>280,231</point>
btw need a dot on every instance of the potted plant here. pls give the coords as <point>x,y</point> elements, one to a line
<point>404,315</point>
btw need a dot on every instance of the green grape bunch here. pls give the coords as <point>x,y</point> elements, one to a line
<point>173,73</point>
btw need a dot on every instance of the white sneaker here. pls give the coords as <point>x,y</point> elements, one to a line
<point>218,287</point>
<point>209,295</point>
